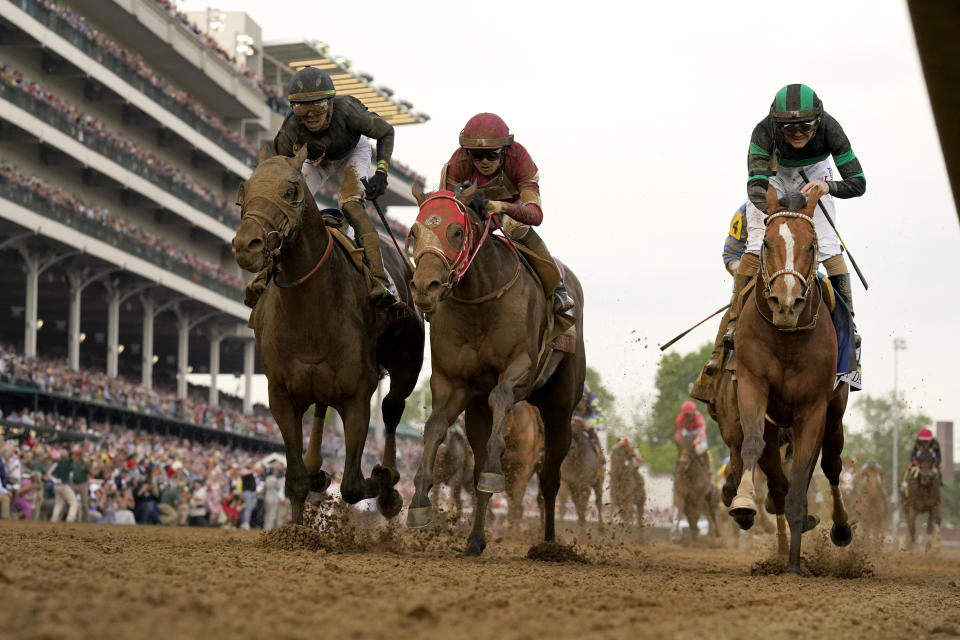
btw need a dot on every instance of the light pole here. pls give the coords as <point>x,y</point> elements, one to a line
<point>899,344</point>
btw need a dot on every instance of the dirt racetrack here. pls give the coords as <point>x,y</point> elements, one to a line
<point>87,581</point>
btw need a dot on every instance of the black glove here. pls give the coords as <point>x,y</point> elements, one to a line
<point>479,205</point>
<point>376,186</point>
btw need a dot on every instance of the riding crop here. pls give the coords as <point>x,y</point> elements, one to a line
<point>383,219</point>
<point>842,243</point>
<point>723,308</point>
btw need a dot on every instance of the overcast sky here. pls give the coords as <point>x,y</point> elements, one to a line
<point>639,116</point>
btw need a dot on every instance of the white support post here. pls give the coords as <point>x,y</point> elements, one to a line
<point>73,324</point>
<point>30,307</point>
<point>214,399</point>
<point>183,354</point>
<point>113,333</point>
<point>248,359</point>
<point>146,344</point>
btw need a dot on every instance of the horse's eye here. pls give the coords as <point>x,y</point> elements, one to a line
<point>458,233</point>
<point>290,192</point>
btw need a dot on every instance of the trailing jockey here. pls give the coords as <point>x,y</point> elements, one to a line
<point>691,422</point>
<point>796,135</point>
<point>925,440</point>
<point>335,129</point>
<point>507,177</point>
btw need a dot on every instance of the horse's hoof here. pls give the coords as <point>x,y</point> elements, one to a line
<point>841,534</point>
<point>419,517</point>
<point>811,523</point>
<point>768,504</point>
<point>385,476</point>
<point>474,548</point>
<point>319,481</point>
<point>389,504</point>
<point>743,510</point>
<point>794,569</point>
<point>491,482</point>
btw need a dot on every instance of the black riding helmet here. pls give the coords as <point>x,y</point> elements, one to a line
<point>796,103</point>
<point>310,84</point>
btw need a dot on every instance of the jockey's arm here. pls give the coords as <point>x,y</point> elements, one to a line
<point>760,166</point>
<point>528,210</point>
<point>376,128</point>
<point>854,183</point>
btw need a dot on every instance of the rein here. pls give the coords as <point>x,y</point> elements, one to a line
<point>807,280</point>
<point>323,258</point>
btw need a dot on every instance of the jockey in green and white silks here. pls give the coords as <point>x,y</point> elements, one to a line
<point>798,135</point>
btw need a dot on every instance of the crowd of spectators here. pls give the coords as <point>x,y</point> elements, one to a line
<point>92,132</point>
<point>54,376</point>
<point>135,62</point>
<point>12,177</point>
<point>273,99</point>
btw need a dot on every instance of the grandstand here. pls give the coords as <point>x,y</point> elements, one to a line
<point>125,129</point>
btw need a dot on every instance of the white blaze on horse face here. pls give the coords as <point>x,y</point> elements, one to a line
<point>787,236</point>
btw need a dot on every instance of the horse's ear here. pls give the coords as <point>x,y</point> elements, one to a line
<point>265,151</point>
<point>773,204</point>
<point>300,157</point>
<point>467,194</point>
<point>418,194</point>
<point>811,205</point>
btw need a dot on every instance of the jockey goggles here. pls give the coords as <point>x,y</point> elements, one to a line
<point>303,108</point>
<point>477,155</point>
<point>798,127</point>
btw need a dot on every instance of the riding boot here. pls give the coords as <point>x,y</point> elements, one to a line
<point>562,303</point>
<point>379,287</point>
<point>841,285</point>
<point>256,288</point>
<point>739,282</point>
<point>369,239</point>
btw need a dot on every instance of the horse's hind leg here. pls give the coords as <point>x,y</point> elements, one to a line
<point>448,402</point>
<point>832,464</point>
<point>777,485</point>
<point>556,444</point>
<point>289,420</point>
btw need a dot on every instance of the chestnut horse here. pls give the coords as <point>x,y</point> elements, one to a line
<point>786,349</point>
<point>488,321</point>
<point>454,466</point>
<point>694,493</point>
<point>871,505</point>
<point>923,496</point>
<point>321,340</point>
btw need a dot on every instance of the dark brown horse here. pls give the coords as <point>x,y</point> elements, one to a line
<point>694,493</point>
<point>923,496</point>
<point>786,349</point>
<point>320,339</point>
<point>627,489</point>
<point>489,321</point>
<point>582,471</point>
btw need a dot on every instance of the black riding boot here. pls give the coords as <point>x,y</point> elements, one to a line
<point>841,285</point>
<point>562,303</point>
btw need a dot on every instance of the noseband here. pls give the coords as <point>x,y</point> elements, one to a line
<point>808,279</point>
<point>285,233</point>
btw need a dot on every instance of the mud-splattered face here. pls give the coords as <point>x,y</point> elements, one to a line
<point>315,115</point>
<point>487,161</point>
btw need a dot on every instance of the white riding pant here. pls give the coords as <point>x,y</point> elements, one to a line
<point>345,173</point>
<point>788,179</point>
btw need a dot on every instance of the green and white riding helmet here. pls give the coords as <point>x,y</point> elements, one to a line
<point>796,103</point>
<point>310,84</point>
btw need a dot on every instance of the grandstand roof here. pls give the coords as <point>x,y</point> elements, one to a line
<point>283,58</point>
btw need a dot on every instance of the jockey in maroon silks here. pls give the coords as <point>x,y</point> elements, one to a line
<point>507,177</point>
<point>690,421</point>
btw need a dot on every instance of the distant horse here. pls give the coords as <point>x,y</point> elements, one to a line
<point>870,504</point>
<point>489,324</point>
<point>454,466</point>
<point>523,435</point>
<point>627,490</point>
<point>786,349</point>
<point>321,340</point>
<point>694,493</point>
<point>923,496</point>
<point>582,471</point>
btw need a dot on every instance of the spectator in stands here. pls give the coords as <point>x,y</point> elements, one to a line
<point>271,499</point>
<point>198,505</point>
<point>80,483</point>
<point>248,482</point>
<point>62,491</point>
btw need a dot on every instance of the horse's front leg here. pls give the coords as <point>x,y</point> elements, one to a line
<point>356,424</point>
<point>448,402</point>
<point>313,458</point>
<point>289,419</point>
<point>807,442</point>
<point>832,464</point>
<point>752,393</point>
<point>511,388</point>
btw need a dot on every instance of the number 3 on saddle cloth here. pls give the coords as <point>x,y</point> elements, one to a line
<point>848,356</point>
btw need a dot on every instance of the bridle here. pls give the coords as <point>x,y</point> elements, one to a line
<point>807,281</point>
<point>285,233</point>
<point>458,264</point>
